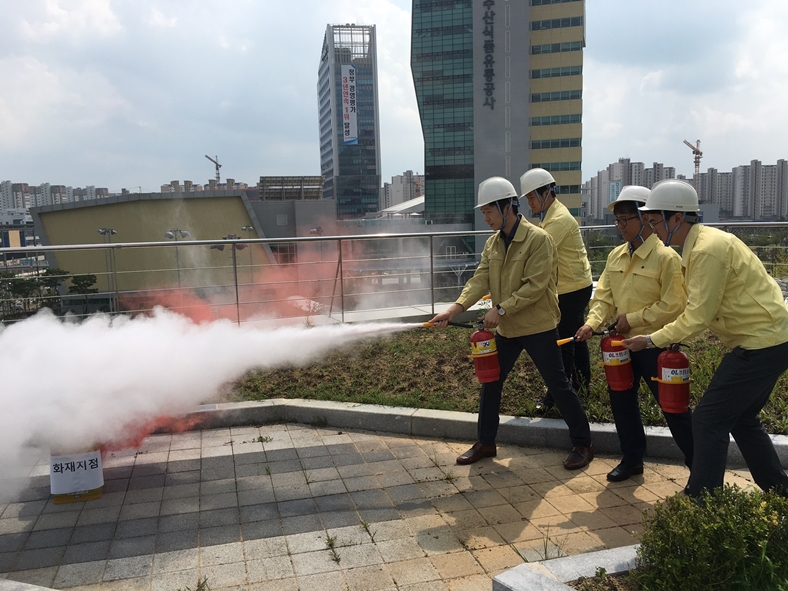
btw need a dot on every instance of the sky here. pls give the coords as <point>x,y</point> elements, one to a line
<point>134,93</point>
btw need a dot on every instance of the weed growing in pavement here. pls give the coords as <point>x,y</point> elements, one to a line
<point>365,525</point>
<point>548,545</point>
<point>202,585</point>
<point>268,470</point>
<point>331,543</point>
<point>449,477</point>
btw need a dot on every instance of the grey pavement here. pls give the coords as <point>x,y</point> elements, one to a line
<point>252,505</point>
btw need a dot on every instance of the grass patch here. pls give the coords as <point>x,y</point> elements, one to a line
<point>430,369</point>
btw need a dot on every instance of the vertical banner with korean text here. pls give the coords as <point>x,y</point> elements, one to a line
<point>349,123</point>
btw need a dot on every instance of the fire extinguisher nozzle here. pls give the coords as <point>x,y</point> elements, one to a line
<point>429,325</point>
<point>560,342</point>
<point>617,343</point>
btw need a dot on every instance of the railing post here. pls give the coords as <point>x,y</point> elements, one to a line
<point>341,280</point>
<point>432,273</point>
<point>114,307</point>
<point>235,279</point>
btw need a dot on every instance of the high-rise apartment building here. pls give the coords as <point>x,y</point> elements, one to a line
<point>499,86</point>
<point>347,92</point>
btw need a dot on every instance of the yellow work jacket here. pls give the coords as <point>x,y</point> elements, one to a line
<point>521,279</point>
<point>648,287</point>
<point>728,291</point>
<point>574,270</point>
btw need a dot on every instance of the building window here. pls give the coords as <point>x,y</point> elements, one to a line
<point>557,72</point>
<point>557,166</point>
<point>573,142</point>
<point>451,252</point>
<point>555,120</point>
<point>284,252</point>
<point>547,2</point>
<point>563,95</point>
<point>281,219</point>
<point>556,47</point>
<point>557,23</point>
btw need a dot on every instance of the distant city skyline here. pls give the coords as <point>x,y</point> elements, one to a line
<point>133,95</point>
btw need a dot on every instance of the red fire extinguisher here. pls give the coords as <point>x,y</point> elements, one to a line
<point>617,363</point>
<point>673,375</point>
<point>485,355</point>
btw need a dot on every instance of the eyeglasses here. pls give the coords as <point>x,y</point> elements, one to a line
<point>621,222</point>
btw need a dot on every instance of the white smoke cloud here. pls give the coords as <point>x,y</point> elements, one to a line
<point>68,387</point>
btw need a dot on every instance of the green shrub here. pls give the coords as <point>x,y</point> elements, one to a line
<point>730,539</point>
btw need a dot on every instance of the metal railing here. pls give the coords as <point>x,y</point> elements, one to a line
<point>311,278</point>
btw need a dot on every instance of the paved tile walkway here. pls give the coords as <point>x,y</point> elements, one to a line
<point>288,506</point>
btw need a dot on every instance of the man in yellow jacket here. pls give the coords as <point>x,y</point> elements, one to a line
<point>641,289</point>
<point>729,292</point>
<point>574,274</point>
<point>518,268</point>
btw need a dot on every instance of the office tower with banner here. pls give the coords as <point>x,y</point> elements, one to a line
<point>499,85</point>
<point>347,92</point>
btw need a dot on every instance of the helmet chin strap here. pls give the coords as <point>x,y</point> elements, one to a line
<point>639,236</point>
<point>543,209</point>
<point>504,215</point>
<point>667,228</point>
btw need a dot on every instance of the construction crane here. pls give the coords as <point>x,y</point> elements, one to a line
<point>698,154</point>
<point>218,166</point>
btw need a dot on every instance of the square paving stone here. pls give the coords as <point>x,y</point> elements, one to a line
<point>87,552</point>
<point>297,507</point>
<point>176,540</point>
<point>154,481</point>
<point>182,521</point>
<point>137,527</point>
<point>41,558</point>
<point>215,487</point>
<point>85,573</point>
<point>181,478</point>
<point>301,524</point>
<point>224,534</point>
<point>13,542</point>
<point>93,533</point>
<point>218,501</point>
<point>335,502</point>
<point>339,518</point>
<point>259,512</point>
<point>218,517</point>
<point>140,546</point>
<point>127,568</point>
<point>49,538</point>
<point>256,530</point>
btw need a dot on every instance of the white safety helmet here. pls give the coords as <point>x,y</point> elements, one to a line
<point>631,193</point>
<point>534,179</point>
<point>494,189</point>
<point>672,195</point>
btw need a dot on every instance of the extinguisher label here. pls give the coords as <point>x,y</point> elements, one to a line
<point>676,375</point>
<point>615,357</point>
<point>483,347</point>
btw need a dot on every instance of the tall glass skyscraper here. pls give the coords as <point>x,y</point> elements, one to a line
<point>499,88</point>
<point>347,91</point>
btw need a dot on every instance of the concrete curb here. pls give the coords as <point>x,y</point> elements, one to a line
<point>550,575</point>
<point>536,432</point>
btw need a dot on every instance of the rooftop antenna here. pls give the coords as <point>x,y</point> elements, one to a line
<point>218,166</point>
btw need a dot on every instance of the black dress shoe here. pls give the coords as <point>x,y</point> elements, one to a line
<point>545,404</point>
<point>579,457</point>
<point>476,453</point>
<point>624,471</point>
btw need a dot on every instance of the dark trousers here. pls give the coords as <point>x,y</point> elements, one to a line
<point>577,361</point>
<point>545,354</point>
<point>732,403</point>
<point>626,412</point>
